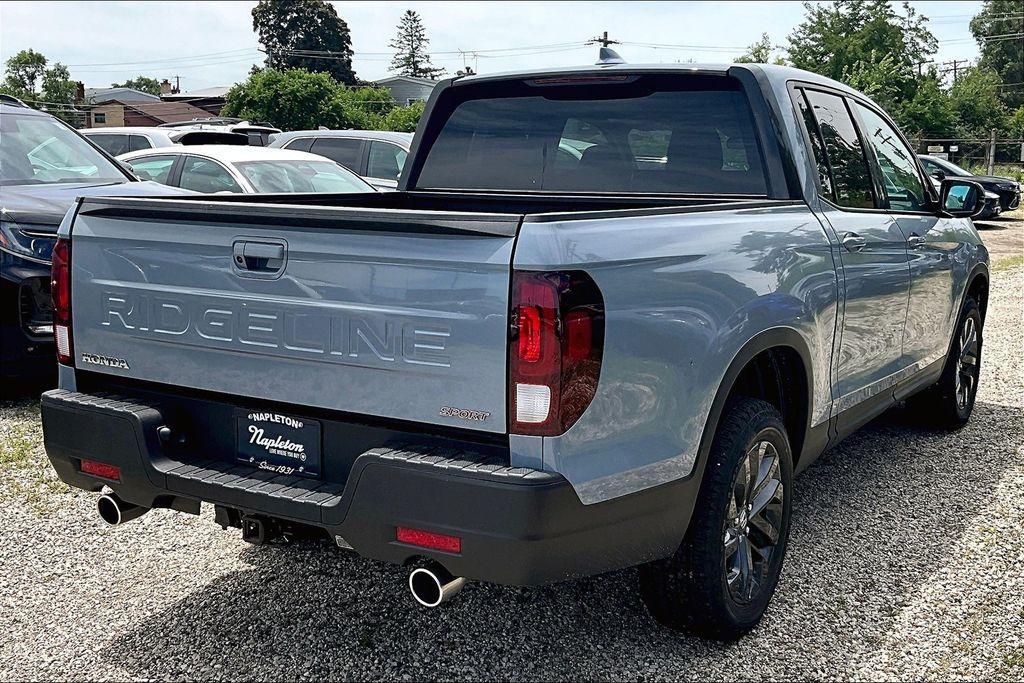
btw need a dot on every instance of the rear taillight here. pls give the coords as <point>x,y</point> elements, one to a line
<point>60,292</point>
<point>557,328</point>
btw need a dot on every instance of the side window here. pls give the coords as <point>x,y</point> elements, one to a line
<point>157,169</point>
<point>851,180</point>
<point>111,143</point>
<point>344,151</point>
<point>817,145</point>
<point>137,142</point>
<point>903,186</point>
<point>385,161</point>
<point>204,175</point>
<point>300,144</point>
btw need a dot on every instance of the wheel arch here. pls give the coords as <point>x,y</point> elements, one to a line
<point>776,350</point>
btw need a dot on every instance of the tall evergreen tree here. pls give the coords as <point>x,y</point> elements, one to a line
<point>410,45</point>
<point>304,34</point>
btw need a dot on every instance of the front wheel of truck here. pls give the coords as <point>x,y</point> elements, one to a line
<point>720,580</point>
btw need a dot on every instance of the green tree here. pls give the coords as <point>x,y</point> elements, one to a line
<point>760,52</point>
<point>304,34</point>
<point>930,112</point>
<point>410,45</point>
<point>141,83</point>
<point>24,71</point>
<point>975,99</point>
<point>403,119</point>
<point>882,78</point>
<point>997,28</point>
<point>834,37</point>
<point>295,99</point>
<point>58,93</point>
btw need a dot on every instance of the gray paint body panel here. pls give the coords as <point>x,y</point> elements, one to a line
<point>683,293</point>
<point>387,324</point>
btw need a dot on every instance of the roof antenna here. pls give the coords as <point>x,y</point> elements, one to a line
<point>606,55</point>
<point>609,56</point>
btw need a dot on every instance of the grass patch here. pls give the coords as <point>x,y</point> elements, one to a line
<point>27,471</point>
<point>1007,263</point>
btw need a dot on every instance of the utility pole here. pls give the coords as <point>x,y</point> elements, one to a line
<point>177,85</point>
<point>603,39</point>
<point>992,152</point>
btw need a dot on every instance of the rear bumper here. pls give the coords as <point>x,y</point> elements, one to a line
<point>518,526</point>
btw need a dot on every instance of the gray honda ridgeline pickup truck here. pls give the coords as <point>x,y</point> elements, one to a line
<point>607,316</point>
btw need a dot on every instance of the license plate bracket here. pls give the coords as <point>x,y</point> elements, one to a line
<point>279,443</point>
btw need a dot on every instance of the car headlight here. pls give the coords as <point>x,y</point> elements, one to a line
<point>1007,186</point>
<point>34,244</point>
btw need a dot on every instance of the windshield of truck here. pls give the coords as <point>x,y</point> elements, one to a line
<point>651,134</point>
<point>301,176</point>
<point>36,150</point>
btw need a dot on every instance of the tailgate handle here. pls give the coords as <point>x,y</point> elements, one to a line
<point>264,258</point>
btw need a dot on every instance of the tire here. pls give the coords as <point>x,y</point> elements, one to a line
<point>704,588</point>
<point>948,403</point>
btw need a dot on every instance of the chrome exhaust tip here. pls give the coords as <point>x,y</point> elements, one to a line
<point>115,511</point>
<point>432,585</point>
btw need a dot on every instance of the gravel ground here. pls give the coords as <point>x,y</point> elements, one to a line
<point>905,563</point>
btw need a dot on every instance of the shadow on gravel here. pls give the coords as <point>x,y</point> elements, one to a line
<point>874,519</point>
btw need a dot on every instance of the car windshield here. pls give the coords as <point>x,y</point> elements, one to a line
<point>38,150</point>
<point>645,134</point>
<point>301,176</point>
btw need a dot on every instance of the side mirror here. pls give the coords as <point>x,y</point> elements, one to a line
<point>961,198</point>
<point>938,175</point>
<point>127,167</point>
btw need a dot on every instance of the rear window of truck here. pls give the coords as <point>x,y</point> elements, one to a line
<point>640,134</point>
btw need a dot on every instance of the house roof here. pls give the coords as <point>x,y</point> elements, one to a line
<point>168,112</point>
<point>407,79</point>
<point>122,95</point>
<point>216,92</point>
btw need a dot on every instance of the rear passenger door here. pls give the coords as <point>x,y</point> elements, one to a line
<point>873,256</point>
<point>930,247</point>
<point>384,164</point>
<point>345,151</point>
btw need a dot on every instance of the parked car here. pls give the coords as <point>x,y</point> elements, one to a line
<point>376,155</point>
<point>524,367</point>
<point>44,165</point>
<point>1007,190</point>
<point>121,140</point>
<point>259,134</point>
<point>245,169</point>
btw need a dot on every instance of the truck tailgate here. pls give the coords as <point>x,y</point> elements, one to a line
<point>390,313</point>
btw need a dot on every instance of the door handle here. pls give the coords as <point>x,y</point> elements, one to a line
<point>854,242</point>
<point>258,259</point>
<point>915,241</point>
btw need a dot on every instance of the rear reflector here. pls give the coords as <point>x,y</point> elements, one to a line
<point>101,469</point>
<point>427,539</point>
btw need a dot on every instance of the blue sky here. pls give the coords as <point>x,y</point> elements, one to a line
<point>212,43</point>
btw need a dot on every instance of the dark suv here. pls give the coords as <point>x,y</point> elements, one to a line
<point>44,165</point>
<point>1007,188</point>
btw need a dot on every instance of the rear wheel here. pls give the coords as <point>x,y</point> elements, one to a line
<point>718,584</point>
<point>949,403</point>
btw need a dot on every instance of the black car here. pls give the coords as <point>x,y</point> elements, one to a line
<point>1007,188</point>
<point>44,165</point>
